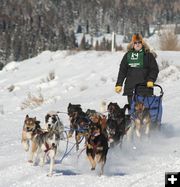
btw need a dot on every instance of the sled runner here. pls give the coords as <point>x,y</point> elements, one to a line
<point>152,103</point>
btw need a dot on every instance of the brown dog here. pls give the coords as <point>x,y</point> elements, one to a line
<point>30,127</point>
<point>79,123</point>
<point>142,119</point>
<point>97,147</point>
<point>97,118</point>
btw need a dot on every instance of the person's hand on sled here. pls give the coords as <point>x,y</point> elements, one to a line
<point>150,84</point>
<point>118,89</point>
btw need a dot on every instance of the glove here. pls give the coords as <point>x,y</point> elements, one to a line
<point>118,89</point>
<point>150,84</point>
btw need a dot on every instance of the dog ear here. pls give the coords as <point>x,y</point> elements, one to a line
<point>109,104</point>
<point>126,106</point>
<point>38,124</point>
<point>47,117</point>
<point>27,116</point>
<point>87,111</point>
<point>117,106</point>
<point>34,118</point>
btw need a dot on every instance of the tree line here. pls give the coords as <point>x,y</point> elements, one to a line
<point>28,27</point>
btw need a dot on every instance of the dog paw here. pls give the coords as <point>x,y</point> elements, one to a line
<point>49,175</point>
<point>41,164</point>
<point>100,174</point>
<point>26,147</point>
<point>92,169</point>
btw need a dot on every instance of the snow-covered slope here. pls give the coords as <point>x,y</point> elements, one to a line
<point>85,78</point>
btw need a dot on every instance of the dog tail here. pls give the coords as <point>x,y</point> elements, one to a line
<point>103,107</point>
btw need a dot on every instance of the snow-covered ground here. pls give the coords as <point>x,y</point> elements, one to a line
<point>85,78</point>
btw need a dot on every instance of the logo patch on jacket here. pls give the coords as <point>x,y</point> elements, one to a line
<point>134,56</point>
<point>135,59</point>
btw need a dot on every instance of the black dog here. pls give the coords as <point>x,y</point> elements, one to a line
<point>79,122</point>
<point>97,147</point>
<point>116,123</point>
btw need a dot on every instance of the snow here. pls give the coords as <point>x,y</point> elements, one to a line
<point>85,78</point>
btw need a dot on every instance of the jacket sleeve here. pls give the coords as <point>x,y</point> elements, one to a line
<point>153,68</point>
<point>122,71</point>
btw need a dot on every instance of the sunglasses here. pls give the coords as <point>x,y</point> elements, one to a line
<point>139,42</point>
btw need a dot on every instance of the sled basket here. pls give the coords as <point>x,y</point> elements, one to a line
<point>152,103</point>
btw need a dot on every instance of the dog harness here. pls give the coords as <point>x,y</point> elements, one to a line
<point>48,148</point>
<point>140,115</point>
<point>94,143</point>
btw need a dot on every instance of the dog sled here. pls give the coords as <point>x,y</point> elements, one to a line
<point>152,103</point>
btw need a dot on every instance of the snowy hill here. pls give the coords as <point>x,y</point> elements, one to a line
<point>86,78</point>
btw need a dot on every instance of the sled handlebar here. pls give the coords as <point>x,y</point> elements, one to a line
<point>145,85</point>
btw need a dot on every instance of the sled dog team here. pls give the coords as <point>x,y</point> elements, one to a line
<point>99,131</point>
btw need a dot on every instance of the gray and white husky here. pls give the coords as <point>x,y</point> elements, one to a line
<point>52,122</point>
<point>45,144</point>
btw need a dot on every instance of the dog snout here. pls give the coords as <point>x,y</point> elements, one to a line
<point>53,145</point>
<point>49,125</point>
<point>28,129</point>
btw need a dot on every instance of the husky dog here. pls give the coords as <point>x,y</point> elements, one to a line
<point>79,123</point>
<point>141,119</point>
<point>31,125</point>
<point>117,123</point>
<point>98,118</point>
<point>97,147</point>
<point>44,144</point>
<point>52,122</point>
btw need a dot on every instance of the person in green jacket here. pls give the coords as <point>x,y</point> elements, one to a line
<point>137,66</point>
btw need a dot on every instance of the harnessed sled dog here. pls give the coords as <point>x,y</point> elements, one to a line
<point>117,123</point>
<point>30,126</point>
<point>97,147</point>
<point>52,122</point>
<point>45,143</point>
<point>97,118</point>
<point>141,119</point>
<point>79,122</point>
<point>146,111</point>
